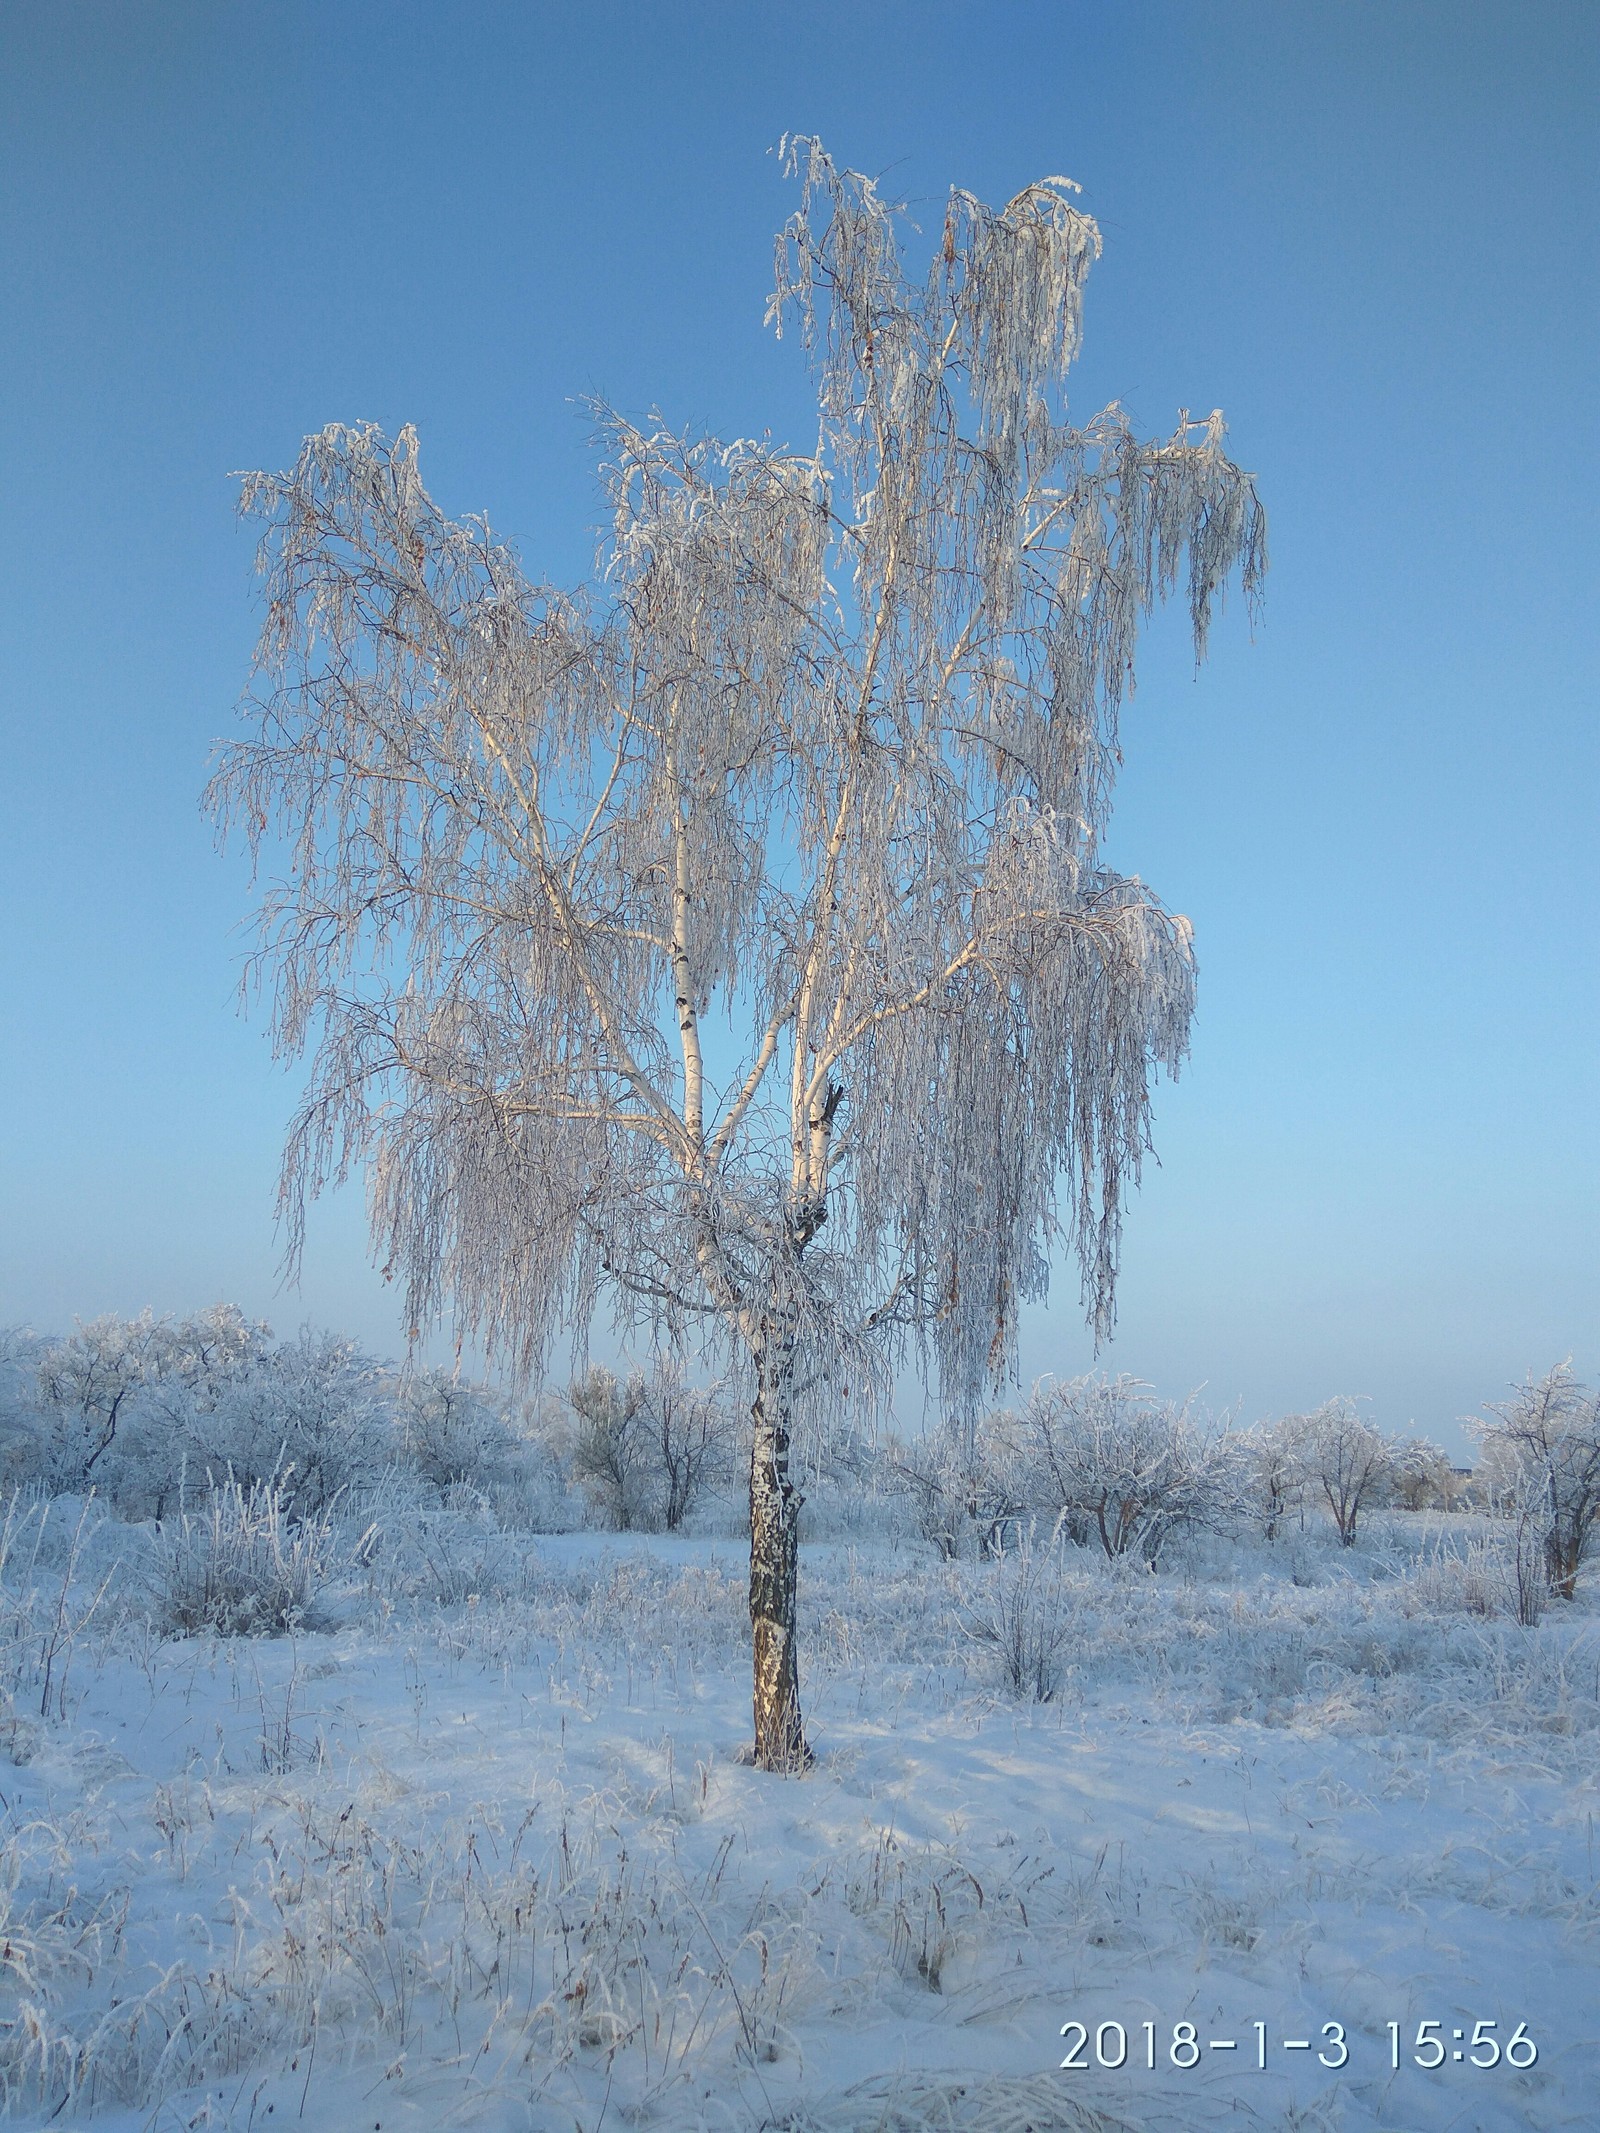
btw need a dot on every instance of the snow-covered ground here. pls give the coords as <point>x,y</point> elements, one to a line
<point>498,1864</point>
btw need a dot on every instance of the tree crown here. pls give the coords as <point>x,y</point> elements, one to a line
<point>732,937</point>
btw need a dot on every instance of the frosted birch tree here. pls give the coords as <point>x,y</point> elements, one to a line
<point>730,942</point>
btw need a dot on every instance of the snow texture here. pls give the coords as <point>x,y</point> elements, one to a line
<point>497,1862</point>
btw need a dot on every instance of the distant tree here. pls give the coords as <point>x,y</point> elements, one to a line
<point>1275,1472</point>
<point>1542,1461</point>
<point>688,1430</point>
<point>609,1449</point>
<point>1420,1475</point>
<point>111,1373</point>
<point>453,1432</point>
<point>1118,1465</point>
<point>734,941</point>
<point>1347,1462</point>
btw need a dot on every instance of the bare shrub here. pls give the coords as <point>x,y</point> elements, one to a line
<point>1530,1553</point>
<point>452,1432</point>
<point>955,1501</point>
<point>645,1449</point>
<point>609,1455</point>
<point>240,1567</point>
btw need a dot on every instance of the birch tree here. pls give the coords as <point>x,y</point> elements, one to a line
<point>730,942</point>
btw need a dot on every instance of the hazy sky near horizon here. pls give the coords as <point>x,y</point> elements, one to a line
<point>1364,230</point>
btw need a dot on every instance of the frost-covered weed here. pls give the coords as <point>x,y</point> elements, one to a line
<point>912,2101</point>
<point>238,1565</point>
<point>1026,1617</point>
<point>625,1927</point>
<point>536,1942</point>
<point>59,1589</point>
<point>1469,1579</point>
<point>933,1909</point>
<point>52,1945</point>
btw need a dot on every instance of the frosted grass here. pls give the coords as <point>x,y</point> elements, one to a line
<point>496,1862</point>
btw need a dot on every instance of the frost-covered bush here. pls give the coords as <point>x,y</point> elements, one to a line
<point>117,1399</point>
<point>441,1550</point>
<point>198,1367</point>
<point>87,1381</point>
<point>1273,1470</point>
<point>149,1412</point>
<point>608,1452</point>
<point>116,1395</point>
<point>939,1481</point>
<point>1541,1464</point>
<point>1025,1616</point>
<point>1346,1461</point>
<point>312,1417</point>
<point>452,1432</point>
<point>647,1449</point>
<point>1420,1476</point>
<point>239,1565</point>
<point>690,1434</point>
<point>1110,1463</point>
<point>1529,1550</point>
<point>964,1498</point>
<point>22,1423</point>
<point>852,1493</point>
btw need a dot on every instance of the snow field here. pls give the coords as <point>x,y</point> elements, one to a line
<point>497,1864</point>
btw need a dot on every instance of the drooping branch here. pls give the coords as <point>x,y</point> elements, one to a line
<point>737,929</point>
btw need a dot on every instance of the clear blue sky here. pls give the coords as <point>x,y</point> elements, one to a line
<point>1365,230</point>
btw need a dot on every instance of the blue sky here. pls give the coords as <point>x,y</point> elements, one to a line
<point>1366,231</point>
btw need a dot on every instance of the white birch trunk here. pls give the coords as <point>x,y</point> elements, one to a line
<point>780,1742</point>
